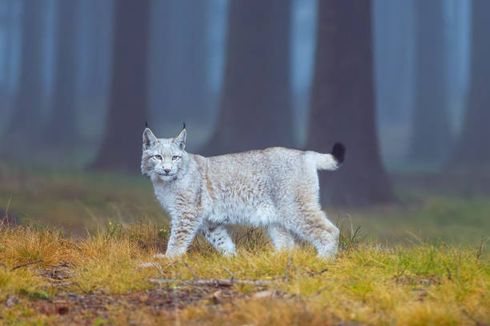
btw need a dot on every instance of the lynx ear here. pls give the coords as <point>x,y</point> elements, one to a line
<point>181,139</point>
<point>148,138</point>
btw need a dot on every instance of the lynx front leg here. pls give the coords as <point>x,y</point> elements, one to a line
<point>218,236</point>
<point>281,238</point>
<point>183,231</point>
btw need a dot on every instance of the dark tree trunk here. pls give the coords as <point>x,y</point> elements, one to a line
<point>473,150</point>
<point>431,132</point>
<point>343,105</point>
<point>62,127</point>
<point>255,109</point>
<point>25,124</point>
<point>121,146</point>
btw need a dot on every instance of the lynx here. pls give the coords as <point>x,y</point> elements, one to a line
<point>276,188</point>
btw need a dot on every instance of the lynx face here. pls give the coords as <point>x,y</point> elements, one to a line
<point>163,158</point>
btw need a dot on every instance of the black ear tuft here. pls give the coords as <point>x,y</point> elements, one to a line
<point>146,124</point>
<point>183,125</point>
<point>338,151</point>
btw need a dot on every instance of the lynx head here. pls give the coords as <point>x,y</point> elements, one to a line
<point>163,158</point>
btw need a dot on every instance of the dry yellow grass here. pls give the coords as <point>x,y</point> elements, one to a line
<point>368,283</point>
<point>400,271</point>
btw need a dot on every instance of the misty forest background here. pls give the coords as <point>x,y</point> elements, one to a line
<point>403,84</point>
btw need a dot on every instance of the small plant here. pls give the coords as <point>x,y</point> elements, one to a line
<point>481,248</point>
<point>113,230</point>
<point>163,233</point>
<point>350,236</point>
<point>35,294</point>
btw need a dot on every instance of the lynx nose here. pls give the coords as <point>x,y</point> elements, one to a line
<point>167,171</point>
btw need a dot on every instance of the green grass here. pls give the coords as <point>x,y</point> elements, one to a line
<point>75,201</point>
<point>420,262</point>
<point>79,202</point>
<point>433,219</point>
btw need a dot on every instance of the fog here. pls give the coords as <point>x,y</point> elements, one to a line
<point>402,83</point>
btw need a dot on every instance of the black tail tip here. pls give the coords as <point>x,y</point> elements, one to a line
<point>338,151</point>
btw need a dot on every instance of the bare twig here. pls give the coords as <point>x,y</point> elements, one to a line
<point>289,264</point>
<point>320,272</point>
<point>211,282</point>
<point>26,264</point>
<point>481,247</point>
<point>232,276</point>
<point>194,275</point>
<point>8,206</point>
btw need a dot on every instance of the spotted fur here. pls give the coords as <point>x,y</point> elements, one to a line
<point>276,188</point>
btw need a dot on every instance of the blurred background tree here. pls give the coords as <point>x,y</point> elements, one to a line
<point>179,56</point>
<point>25,124</point>
<point>401,83</point>
<point>473,151</point>
<point>255,109</point>
<point>431,138</point>
<point>62,128</point>
<point>121,145</point>
<point>342,103</point>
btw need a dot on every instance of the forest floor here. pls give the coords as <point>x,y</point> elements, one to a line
<point>75,248</point>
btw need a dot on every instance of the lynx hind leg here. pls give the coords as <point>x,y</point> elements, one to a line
<point>314,227</point>
<point>219,238</point>
<point>281,238</point>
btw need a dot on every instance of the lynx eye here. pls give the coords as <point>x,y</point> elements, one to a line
<point>174,158</point>
<point>158,157</point>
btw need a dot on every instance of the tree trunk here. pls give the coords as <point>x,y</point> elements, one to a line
<point>255,109</point>
<point>25,124</point>
<point>473,151</point>
<point>62,127</point>
<point>431,132</point>
<point>343,105</point>
<point>121,146</point>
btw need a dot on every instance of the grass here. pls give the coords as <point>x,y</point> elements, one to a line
<point>432,218</point>
<point>76,201</point>
<point>76,259</point>
<point>368,283</point>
